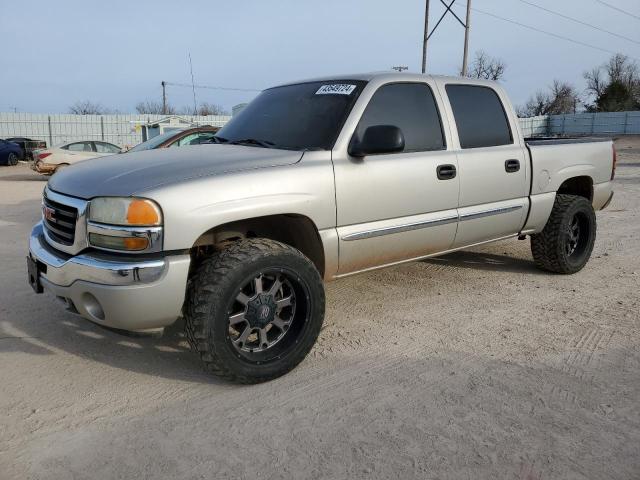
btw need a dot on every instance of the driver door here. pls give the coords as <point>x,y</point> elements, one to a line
<point>397,206</point>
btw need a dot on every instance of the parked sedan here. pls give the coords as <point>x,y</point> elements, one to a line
<point>50,160</point>
<point>10,153</point>
<point>28,146</point>
<point>173,138</point>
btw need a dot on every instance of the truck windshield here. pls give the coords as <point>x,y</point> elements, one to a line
<point>304,116</point>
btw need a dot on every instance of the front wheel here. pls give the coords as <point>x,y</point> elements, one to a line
<point>254,310</point>
<point>565,244</point>
<point>12,159</point>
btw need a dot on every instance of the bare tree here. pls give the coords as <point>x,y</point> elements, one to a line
<point>536,105</point>
<point>565,98</point>
<point>595,81</point>
<point>206,108</point>
<point>487,67</point>
<point>154,108</point>
<point>87,107</point>
<point>561,97</point>
<point>614,85</point>
<point>186,110</point>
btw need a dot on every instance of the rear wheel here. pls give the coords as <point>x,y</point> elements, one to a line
<point>566,243</point>
<point>12,159</point>
<point>254,310</point>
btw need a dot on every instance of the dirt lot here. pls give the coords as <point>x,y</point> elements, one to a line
<point>474,365</point>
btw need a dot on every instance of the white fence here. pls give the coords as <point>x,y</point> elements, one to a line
<point>123,130</point>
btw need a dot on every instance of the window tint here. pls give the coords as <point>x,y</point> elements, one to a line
<point>410,107</point>
<point>480,116</point>
<point>301,116</point>
<point>80,147</point>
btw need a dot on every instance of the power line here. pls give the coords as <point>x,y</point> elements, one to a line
<point>575,20</point>
<point>555,35</point>
<point>210,87</point>
<point>618,9</point>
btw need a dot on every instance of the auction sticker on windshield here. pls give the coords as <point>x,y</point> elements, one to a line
<point>336,89</point>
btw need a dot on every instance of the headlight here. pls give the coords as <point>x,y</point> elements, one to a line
<point>125,211</point>
<point>125,224</point>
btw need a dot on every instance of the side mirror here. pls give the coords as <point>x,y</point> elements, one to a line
<point>377,139</point>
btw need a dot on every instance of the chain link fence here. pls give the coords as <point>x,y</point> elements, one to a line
<point>601,123</point>
<point>122,130</point>
<point>126,130</point>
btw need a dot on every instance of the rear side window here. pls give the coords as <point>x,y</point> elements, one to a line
<point>410,107</point>
<point>79,147</point>
<point>480,116</point>
<point>106,148</point>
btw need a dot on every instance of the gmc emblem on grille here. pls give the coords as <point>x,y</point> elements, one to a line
<point>48,213</point>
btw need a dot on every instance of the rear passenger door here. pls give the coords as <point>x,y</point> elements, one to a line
<point>493,164</point>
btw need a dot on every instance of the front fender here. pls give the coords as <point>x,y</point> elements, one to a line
<point>196,206</point>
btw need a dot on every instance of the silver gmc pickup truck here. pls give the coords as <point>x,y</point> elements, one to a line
<point>312,181</point>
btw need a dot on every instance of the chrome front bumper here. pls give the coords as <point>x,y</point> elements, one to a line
<point>113,290</point>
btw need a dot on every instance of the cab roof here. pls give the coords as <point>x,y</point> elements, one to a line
<point>387,76</point>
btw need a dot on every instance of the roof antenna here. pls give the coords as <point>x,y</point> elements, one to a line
<point>193,87</point>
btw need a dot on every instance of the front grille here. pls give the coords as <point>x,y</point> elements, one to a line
<point>59,221</point>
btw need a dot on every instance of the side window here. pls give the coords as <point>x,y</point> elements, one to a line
<point>105,148</point>
<point>412,108</point>
<point>479,115</point>
<point>184,140</point>
<point>79,147</point>
<point>204,137</point>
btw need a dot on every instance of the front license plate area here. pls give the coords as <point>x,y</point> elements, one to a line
<point>33,274</point>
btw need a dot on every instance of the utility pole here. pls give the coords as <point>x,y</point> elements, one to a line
<point>164,97</point>
<point>467,26</point>
<point>426,36</point>
<point>400,68</point>
<point>193,87</point>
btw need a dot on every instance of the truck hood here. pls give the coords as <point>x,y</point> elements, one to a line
<point>132,173</point>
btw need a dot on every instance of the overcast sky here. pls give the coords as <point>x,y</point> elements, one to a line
<point>115,52</point>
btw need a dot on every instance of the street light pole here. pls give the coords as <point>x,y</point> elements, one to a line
<point>467,26</point>
<point>426,36</point>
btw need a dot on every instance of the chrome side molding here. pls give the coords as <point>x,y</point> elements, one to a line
<point>400,228</point>
<point>377,232</point>
<point>488,213</point>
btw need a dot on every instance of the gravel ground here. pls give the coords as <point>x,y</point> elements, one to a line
<point>473,365</point>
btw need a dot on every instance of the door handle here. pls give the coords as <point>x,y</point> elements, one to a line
<point>511,166</point>
<point>446,172</point>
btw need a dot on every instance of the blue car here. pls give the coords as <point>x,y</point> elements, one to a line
<point>10,153</point>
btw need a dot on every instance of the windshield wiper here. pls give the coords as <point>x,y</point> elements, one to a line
<point>253,141</point>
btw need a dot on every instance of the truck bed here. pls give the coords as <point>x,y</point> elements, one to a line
<point>564,140</point>
<point>554,160</point>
